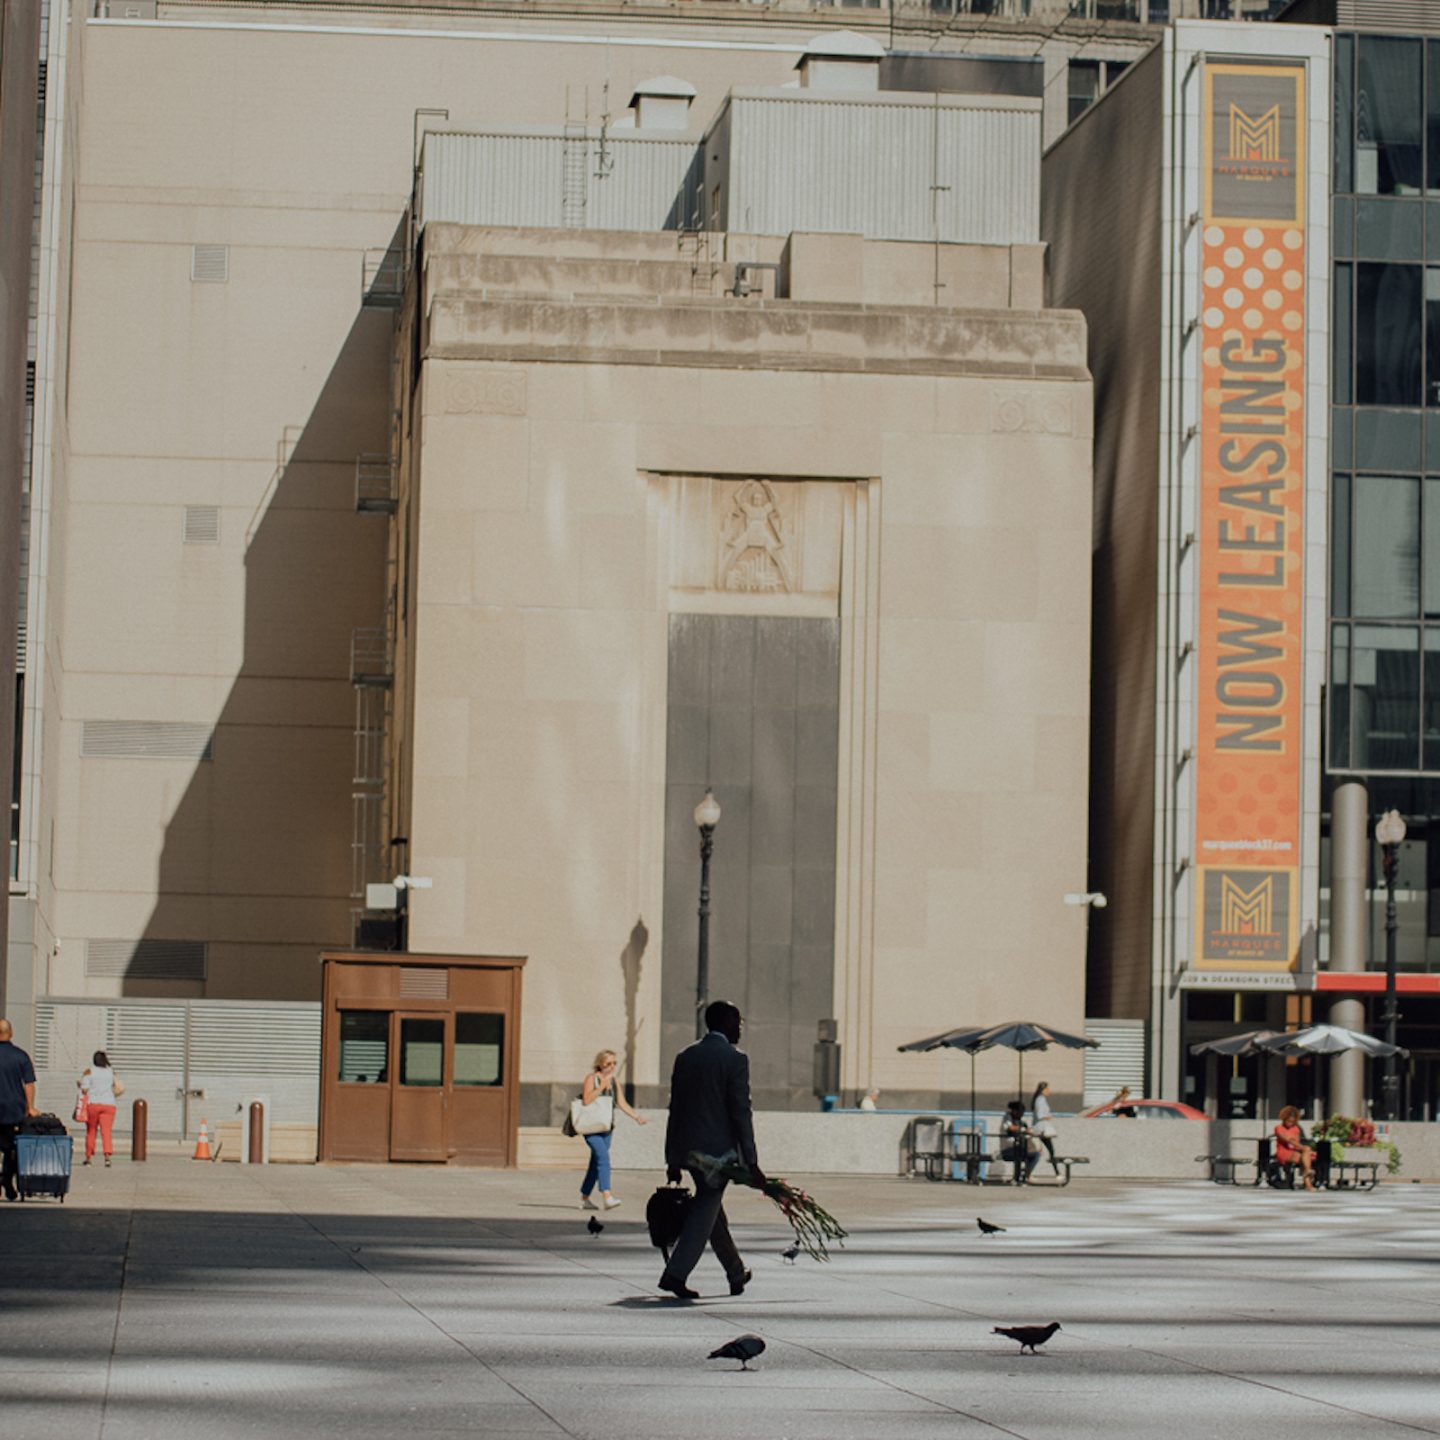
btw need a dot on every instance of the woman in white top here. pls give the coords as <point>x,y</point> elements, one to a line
<point>1044,1125</point>
<point>601,1082</point>
<point>101,1087</point>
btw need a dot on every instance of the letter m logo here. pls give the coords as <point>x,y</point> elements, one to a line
<point>1247,912</point>
<point>1255,138</point>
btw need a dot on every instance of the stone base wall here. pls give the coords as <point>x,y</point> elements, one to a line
<point>874,1144</point>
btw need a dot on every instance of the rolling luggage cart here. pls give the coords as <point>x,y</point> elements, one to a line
<point>43,1164</point>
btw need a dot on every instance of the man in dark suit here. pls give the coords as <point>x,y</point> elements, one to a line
<point>17,1102</point>
<point>709,1115</point>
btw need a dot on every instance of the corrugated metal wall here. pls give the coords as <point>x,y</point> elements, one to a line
<point>1415,17</point>
<point>885,168</point>
<point>517,178</point>
<point>235,1049</point>
<point>1120,1060</point>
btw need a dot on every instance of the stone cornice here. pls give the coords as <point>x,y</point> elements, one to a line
<point>758,335</point>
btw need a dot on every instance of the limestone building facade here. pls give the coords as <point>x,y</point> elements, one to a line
<point>826,556</point>
<point>593,429</point>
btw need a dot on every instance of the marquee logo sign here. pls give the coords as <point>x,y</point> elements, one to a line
<point>1250,539</point>
<point>1246,913</point>
<point>1255,139</point>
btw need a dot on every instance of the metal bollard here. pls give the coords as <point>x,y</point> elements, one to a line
<point>257,1133</point>
<point>139,1129</point>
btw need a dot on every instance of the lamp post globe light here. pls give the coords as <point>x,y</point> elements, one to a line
<point>1390,831</point>
<point>707,817</point>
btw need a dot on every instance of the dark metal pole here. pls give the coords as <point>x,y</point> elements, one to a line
<point>139,1129</point>
<point>702,954</point>
<point>1391,1084</point>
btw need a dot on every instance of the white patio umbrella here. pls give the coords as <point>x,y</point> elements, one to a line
<point>1326,1040</point>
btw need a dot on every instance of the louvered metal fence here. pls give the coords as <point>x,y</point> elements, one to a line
<point>168,1050</point>
<point>1120,1060</point>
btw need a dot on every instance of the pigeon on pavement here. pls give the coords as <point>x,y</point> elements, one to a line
<point>986,1228</point>
<point>594,1226</point>
<point>1029,1336</point>
<point>746,1347</point>
<point>788,1256</point>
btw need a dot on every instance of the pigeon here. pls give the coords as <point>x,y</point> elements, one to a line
<point>746,1347</point>
<point>986,1228</point>
<point>1029,1336</point>
<point>593,1226</point>
<point>788,1256</point>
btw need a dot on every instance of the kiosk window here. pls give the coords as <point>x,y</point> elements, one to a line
<point>479,1049</point>
<point>422,1051</point>
<point>364,1047</point>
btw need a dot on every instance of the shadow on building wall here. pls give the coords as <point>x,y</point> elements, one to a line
<point>256,861</point>
<point>631,958</point>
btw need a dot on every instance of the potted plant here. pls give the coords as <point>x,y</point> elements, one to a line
<point>1356,1134</point>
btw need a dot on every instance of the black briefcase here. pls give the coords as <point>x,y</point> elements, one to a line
<point>665,1216</point>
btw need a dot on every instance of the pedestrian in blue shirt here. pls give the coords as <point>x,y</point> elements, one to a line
<point>17,1100</point>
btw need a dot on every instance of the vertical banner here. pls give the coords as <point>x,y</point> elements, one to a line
<point>1248,649</point>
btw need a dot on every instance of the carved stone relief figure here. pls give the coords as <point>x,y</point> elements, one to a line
<point>757,542</point>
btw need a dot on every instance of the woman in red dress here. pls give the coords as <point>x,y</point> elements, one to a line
<point>1290,1146</point>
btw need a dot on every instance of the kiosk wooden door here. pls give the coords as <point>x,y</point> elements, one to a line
<point>420,1110</point>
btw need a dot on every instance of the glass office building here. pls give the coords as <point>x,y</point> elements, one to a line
<point>1383,696</point>
<point>1233,159</point>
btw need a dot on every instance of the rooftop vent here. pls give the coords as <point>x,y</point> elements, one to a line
<point>662,103</point>
<point>842,61</point>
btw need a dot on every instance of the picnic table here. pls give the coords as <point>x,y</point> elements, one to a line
<point>1335,1169</point>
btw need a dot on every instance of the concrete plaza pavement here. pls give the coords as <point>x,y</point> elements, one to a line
<point>177,1299</point>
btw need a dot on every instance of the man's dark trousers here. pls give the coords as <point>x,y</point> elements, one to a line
<point>8,1163</point>
<point>704,1221</point>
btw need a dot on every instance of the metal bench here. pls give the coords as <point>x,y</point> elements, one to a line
<point>1224,1168</point>
<point>1338,1176</point>
<point>969,1157</point>
<point>1060,1181</point>
<point>972,1163</point>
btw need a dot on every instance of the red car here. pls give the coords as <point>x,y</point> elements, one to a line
<point>1145,1110</point>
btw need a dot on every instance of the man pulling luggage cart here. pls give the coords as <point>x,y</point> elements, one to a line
<point>17,1102</point>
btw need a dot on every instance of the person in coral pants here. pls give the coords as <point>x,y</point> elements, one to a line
<point>102,1087</point>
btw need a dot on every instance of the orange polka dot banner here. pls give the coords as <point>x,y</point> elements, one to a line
<point>1250,590</point>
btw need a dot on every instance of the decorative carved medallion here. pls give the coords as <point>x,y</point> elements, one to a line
<point>1032,412</point>
<point>757,542</point>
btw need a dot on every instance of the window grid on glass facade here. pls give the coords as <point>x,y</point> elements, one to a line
<point>1384,711</point>
<point>1383,705</point>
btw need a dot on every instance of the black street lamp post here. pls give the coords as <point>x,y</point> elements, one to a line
<point>1390,832</point>
<point>707,817</point>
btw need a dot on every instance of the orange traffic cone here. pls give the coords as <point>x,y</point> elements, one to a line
<point>202,1145</point>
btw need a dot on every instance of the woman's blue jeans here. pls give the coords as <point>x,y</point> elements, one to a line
<point>598,1172</point>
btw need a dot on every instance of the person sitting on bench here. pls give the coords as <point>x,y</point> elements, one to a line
<point>1290,1146</point>
<point>1017,1146</point>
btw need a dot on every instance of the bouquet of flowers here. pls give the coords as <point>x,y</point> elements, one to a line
<point>812,1223</point>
